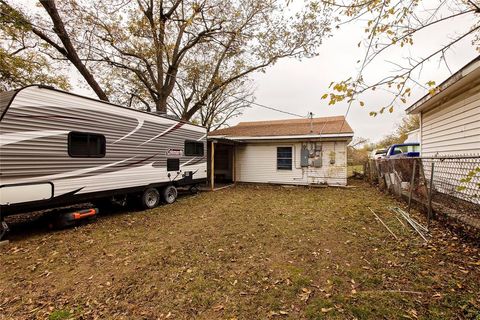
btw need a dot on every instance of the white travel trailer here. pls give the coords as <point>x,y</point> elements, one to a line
<point>59,148</point>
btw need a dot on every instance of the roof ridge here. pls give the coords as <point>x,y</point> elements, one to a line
<point>283,121</point>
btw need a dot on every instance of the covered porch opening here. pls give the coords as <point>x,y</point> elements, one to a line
<point>221,163</point>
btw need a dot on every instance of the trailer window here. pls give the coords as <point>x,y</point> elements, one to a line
<point>284,158</point>
<point>193,148</point>
<point>86,145</point>
<point>173,164</point>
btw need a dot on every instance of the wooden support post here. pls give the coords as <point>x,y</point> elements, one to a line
<point>212,166</point>
<point>233,165</point>
<point>412,181</point>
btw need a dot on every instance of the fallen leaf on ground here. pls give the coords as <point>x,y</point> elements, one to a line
<point>305,294</point>
<point>219,307</point>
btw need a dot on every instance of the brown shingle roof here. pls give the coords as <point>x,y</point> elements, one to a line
<point>324,125</point>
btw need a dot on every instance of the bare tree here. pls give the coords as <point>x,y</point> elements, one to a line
<point>408,123</point>
<point>224,104</point>
<point>21,63</point>
<point>159,42</point>
<point>59,38</point>
<point>136,52</point>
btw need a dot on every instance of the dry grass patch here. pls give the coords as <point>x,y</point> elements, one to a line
<point>250,252</point>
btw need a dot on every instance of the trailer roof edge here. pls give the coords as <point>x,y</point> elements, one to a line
<point>41,86</point>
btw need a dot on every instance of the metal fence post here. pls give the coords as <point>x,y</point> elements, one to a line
<point>430,196</point>
<point>412,181</point>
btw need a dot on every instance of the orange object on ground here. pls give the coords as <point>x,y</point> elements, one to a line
<point>84,214</point>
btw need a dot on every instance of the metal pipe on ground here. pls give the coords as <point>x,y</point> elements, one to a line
<point>414,224</point>
<point>407,216</point>
<point>381,221</point>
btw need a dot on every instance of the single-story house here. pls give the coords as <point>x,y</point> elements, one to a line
<point>450,118</point>
<point>299,152</point>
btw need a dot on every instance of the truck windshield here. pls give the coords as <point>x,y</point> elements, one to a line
<point>406,149</point>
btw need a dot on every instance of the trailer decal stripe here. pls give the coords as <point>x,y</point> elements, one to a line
<point>173,127</point>
<point>139,125</point>
<point>9,138</point>
<point>82,172</point>
<point>188,162</point>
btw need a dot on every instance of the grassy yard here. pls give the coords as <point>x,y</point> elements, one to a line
<point>250,252</point>
<point>354,168</point>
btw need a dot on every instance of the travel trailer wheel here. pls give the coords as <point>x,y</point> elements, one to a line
<point>103,204</point>
<point>150,198</point>
<point>194,189</point>
<point>170,194</point>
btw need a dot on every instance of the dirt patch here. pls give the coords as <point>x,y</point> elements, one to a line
<point>248,252</point>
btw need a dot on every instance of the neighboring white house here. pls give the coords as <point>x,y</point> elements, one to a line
<point>413,136</point>
<point>450,119</point>
<point>300,151</point>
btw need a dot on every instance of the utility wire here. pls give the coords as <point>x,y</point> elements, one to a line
<point>264,106</point>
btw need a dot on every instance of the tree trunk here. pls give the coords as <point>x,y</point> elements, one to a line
<point>161,104</point>
<point>70,52</point>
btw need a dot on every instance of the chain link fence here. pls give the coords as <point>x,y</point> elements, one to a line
<point>446,185</point>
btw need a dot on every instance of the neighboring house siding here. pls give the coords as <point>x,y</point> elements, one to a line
<point>257,162</point>
<point>454,127</point>
<point>413,136</point>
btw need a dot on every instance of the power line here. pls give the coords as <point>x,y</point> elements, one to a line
<point>264,106</point>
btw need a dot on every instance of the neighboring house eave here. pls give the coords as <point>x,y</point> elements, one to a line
<point>463,80</point>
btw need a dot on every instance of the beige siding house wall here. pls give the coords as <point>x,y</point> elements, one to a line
<point>318,151</point>
<point>257,162</point>
<point>450,119</point>
<point>454,127</point>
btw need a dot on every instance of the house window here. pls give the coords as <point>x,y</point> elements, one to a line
<point>284,158</point>
<point>193,148</point>
<point>86,145</point>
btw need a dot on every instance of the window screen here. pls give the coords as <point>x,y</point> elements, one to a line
<point>284,158</point>
<point>86,145</point>
<point>173,164</point>
<point>193,148</point>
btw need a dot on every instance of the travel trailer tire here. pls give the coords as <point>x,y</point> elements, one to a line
<point>150,198</point>
<point>170,194</point>
<point>103,204</point>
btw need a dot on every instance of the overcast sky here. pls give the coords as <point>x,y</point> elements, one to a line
<point>297,86</point>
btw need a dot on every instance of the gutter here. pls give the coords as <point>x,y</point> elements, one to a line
<point>461,81</point>
<point>307,136</point>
